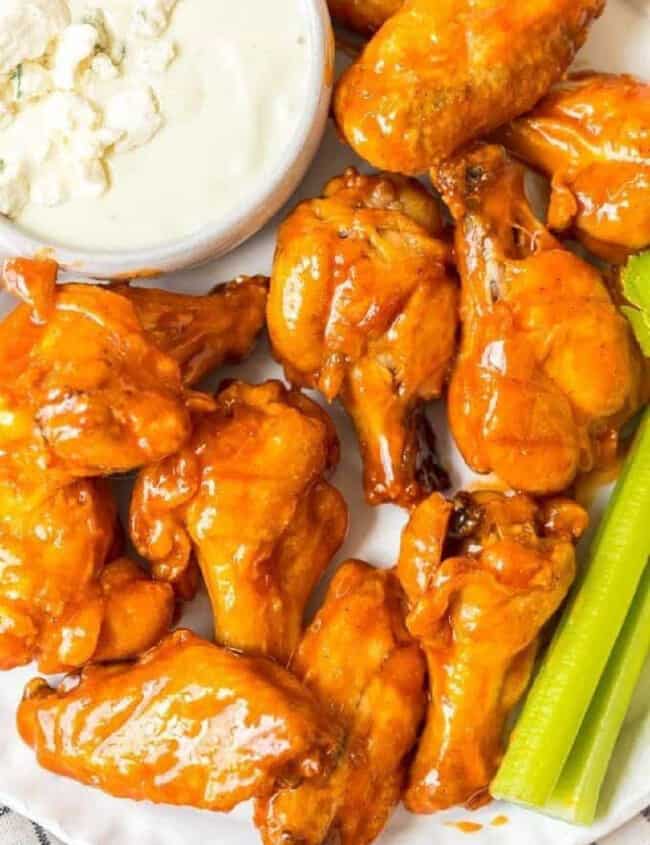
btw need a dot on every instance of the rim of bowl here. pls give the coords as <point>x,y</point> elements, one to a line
<point>244,220</point>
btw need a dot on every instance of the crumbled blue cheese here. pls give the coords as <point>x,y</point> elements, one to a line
<point>74,92</point>
<point>27,28</point>
<point>71,159</point>
<point>103,68</point>
<point>133,114</point>
<point>76,46</point>
<point>33,81</point>
<point>151,17</point>
<point>96,18</point>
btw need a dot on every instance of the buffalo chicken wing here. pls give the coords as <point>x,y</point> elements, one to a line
<point>548,369</point>
<point>360,661</point>
<point>248,495</point>
<point>83,390</point>
<point>59,602</point>
<point>64,600</point>
<point>362,306</point>
<point>484,574</point>
<point>441,73</point>
<point>591,136</point>
<point>202,332</point>
<point>189,723</point>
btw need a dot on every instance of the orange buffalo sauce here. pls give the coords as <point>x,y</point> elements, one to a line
<point>466,827</point>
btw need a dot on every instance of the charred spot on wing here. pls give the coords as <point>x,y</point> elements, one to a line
<point>466,517</point>
<point>430,473</point>
<point>474,175</point>
<point>495,293</point>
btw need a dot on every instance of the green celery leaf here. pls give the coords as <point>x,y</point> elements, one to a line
<point>636,287</point>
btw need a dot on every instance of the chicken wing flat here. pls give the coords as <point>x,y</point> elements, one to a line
<point>484,574</point>
<point>189,723</point>
<point>591,136</point>
<point>248,495</point>
<point>358,658</point>
<point>363,306</point>
<point>83,391</point>
<point>363,15</point>
<point>59,602</point>
<point>548,368</point>
<point>202,332</point>
<point>441,73</point>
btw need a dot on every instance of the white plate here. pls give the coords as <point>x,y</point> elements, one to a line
<point>83,816</point>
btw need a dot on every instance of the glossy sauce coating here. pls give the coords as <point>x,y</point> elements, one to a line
<point>483,575</point>
<point>83,391</point>
<point>249,497</point>
<point>363,15</point>
<point>359,659</point>
<point>363,306</point>
<point>548,368</point>
<point>441,73</point>
<point>50,557</point>
<point>591,136</point>
<point>189,723</point>
<point>64,600</point>
<point>202,333</point>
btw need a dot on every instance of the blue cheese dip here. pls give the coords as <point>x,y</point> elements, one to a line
<point>131,123</point>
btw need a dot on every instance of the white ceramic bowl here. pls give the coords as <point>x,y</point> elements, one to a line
<point>244,220</point>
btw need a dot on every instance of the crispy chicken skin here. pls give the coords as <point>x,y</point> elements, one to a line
<point>591,136</point>
<point>363,306</point>
<point>188,723</point>
<point>83,390</point>
<point>248,496</point>
<point>59,602</point>
<point>64,599</point>
<point>202,332</point>
<point>358,658</point>
<point>548,369</point>
<point>484,574</point>
<point>441,73</point>
<point>363,15</point>
<point>83,393</point>
<point>50,558</point>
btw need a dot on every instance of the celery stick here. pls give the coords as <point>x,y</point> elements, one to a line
<point>575,798</point>
<point>558,700</point>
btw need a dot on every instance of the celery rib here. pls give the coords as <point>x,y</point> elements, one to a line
<point>574,664</point>
<point>575,798</point>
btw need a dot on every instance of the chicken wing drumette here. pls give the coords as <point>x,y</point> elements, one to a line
<point>440,74</point>
<point>363,15</point>
<point>189,723</point>
<point>548,369</point>
<point>248,495</point>
<point>202,332</point>
<point>484,574</point>
<point>358,658</point>
<point>591,136</point>
<point>363,306</point>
